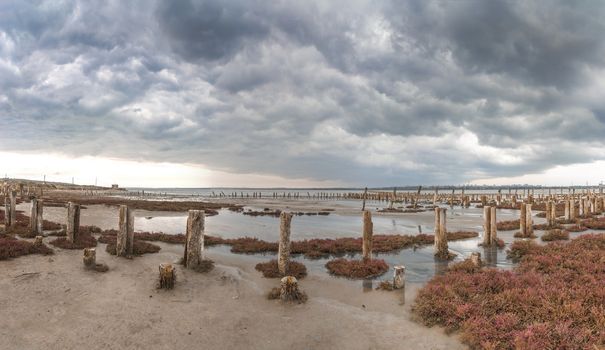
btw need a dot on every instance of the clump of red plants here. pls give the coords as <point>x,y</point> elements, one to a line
<point>555,235</point>
<point>364,268</point>
<point>508,225</point>
<point>271,270</point>
<point>84,240</point>
<point>552,300</point>
<point>138,248</point>
<point>11,247</point>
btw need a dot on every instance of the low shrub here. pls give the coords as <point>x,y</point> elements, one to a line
<point>84,240</point>
<point>357,268</point>
<point>138,248</point>
<point>11,247</point>
<point>552,300</point>
<point>555,235</point>
<point>270,269</point>
<point>508,225</point>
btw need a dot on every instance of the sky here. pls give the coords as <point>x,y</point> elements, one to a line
<point>192,93</point>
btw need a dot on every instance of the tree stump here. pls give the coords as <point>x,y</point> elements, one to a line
<point>125,236</point>
<point>283,254</point>
<point>90,258</point>
<point>194,245</point>
<point>399,277</point>
<point>476,258</point>
<point>368,232</point>
<point>38,241</point>
<point>73,221</point>
<point>289,290</point>
<point>167,276</point>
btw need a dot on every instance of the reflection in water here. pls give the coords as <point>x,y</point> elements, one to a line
<point>419,229</point>
<point>367,285</point>
<point>401,295</point>
<point>490,255</point>
<point>440,266</point>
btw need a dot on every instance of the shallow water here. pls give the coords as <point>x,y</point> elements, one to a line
<point>420,264</point>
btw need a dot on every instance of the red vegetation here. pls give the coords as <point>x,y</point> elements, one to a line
<point>576,228</point>
<point>357,268</point>
<point>555,235</point>
<point>85,240</point>
<point>552,300</point>
<point>11,247</point>
<point>508,225</point>
<point>270,269</point>
<point>138,248</point>
<point>595,223</point>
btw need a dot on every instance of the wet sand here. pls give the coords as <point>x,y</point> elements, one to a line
<point>53,303</point>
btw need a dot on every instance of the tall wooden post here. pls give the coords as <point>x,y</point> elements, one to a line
<point>363,204</point>
<point>368,232</point>
<point>13,208</point>
<point>283,254</point>
<point>194,245</point>
<point>36,218</point>
<point>125,237</point>
<point>493,234</point>
<point>7,209</point>
<point>529,225</point>
<point>441,248</point>
<point>486,225</point>
<point>73,221</point>
<point>567,210</point>
<point>523,220</point>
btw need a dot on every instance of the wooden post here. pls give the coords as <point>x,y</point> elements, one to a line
<point>523,220</point>
<point>7,210</point>
<point>487,231</point>
<point>90,258</point>
<point>529,225</point>
<point>125,237</point>
<point>441,248</point>
<point>289,290</point>
<point>167,276</point>
<point>363,204</point>
<point>38,241</point>
<point>13,208</point>
<point>73,221</point>
<point>33,218</point>
<point>399,277</point>
<point>283,254</point>
<point>194,245</point>
<point>493,234</point>
<point>572,209</point>
<point>368,232</point>
<point>567,211</point>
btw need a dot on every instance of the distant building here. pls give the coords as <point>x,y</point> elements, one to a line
<point>115,187</point>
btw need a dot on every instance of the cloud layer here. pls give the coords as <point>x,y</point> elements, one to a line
<point>357,92</point>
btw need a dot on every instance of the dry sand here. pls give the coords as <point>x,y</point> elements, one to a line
<point>53,303</point>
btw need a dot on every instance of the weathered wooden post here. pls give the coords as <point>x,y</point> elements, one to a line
<point>167,276</point>
<point>13,208</point>
<point>572,209</point>
<point>73,221</point>
<point>567,211</point>
<point>399,277</point>
<point>7,209</point>
<point>38,241</point>
<point>33,218</point>
<point>582,212</point>
<point>441,248</point>
<point>363,204</point>
<point>529,225</point>
<point>368,232</point>
<point>283,254</point>
<point>487,225</point>
<point>289,290</point>
<point>493,227</point>
<point>125,237</point>
<point>194,245</point>
<point>90,258</point>
<point>523,220</point>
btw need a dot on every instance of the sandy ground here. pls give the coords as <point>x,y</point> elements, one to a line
<point>51,302</point>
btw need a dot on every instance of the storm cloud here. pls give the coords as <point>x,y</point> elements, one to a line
<point>359,92</point>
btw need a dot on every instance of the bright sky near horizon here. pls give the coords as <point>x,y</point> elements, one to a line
<point>200,93</point>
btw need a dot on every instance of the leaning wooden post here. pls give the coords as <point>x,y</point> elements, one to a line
<point>167,276</point>
<point>73,221</point>
<point>493,234</point>
<point>283,254</point>
<point>523,220</point>
<point>486,226</point>
<point>529,226</point>
<point>125,237</point>
<point>194,245</point>
<point>368,233</point>
<point>90,258</point>
<point>399,277</point>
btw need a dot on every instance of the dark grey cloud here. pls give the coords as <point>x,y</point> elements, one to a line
<point>362,92</point>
